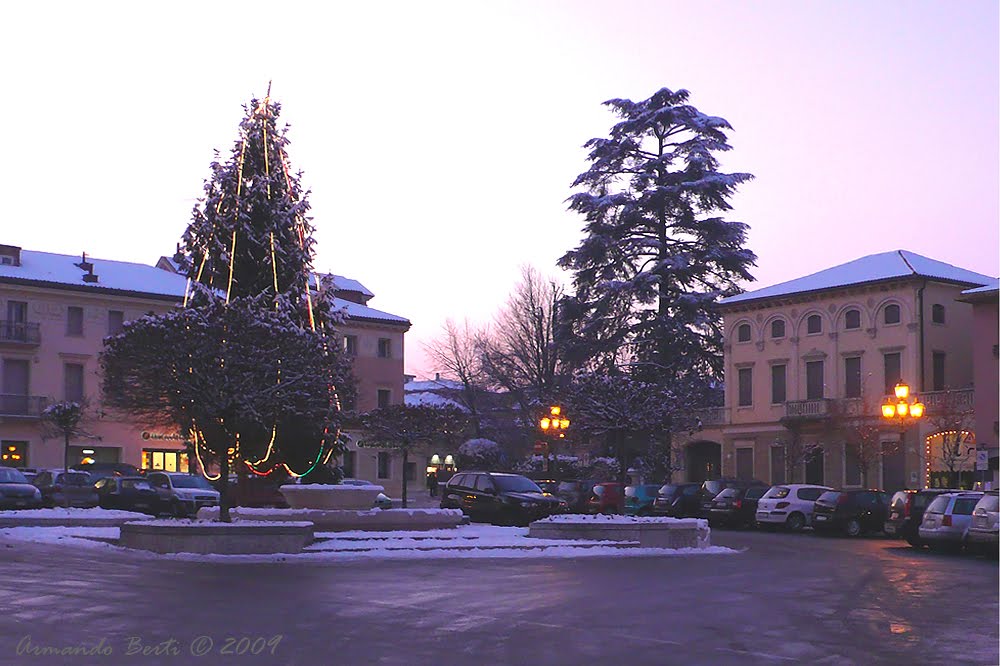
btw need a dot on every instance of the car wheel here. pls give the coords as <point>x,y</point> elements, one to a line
<point>853,527</point>
<point>177,510</point>
<point>795,522</point>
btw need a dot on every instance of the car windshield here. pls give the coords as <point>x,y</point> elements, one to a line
<point>631,491</point>
<point>715,487</point>
<point>921,500</point>
<point>776,493</point>
<point>756,493</point>
<point>567,486</point>
<point>74,479</point>
<point>667,490</point>
<point>727,493</point>
<point>829,497</point>
<point>516,484</point>
<point>135,484</point>
<point>190,482</point>
<point>989,502</point>
<point>11,476</point>
<point>938,505</point>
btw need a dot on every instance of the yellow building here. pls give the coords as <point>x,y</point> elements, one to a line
<point>805,360</point>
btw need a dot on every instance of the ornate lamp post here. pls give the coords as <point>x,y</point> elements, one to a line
<point>902,412</point>
<point>553,425</point>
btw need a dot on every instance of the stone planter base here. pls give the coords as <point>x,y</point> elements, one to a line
<point>374,520</point>
<point>648,532</point>
<point>218,538</point>
<point>315,496</point>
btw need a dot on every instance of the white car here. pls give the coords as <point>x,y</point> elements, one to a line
<point>789,505</point>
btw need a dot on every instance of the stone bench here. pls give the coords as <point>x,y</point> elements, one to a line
<point>240,538</point>
<point>648,532</point>
<point>342,520</point>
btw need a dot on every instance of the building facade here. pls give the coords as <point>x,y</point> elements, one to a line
<point>809,362</point>
<point>57,309</point>
<point>986,377</point>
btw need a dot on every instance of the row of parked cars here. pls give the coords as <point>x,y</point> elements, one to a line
<point>934,518</point>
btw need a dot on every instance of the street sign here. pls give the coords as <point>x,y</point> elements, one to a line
<point>982,460</point>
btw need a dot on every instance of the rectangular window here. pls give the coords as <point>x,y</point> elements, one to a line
<point>852,468</point>
<point>814,380</point>
<point>893,373</point>
<point>74,320</point>
<point>74,382</point>
<point>852,377</point>
<point>116,319</point>
<point>777,465</point>
<point>938,371</point>
<point>350,460</point>
<point>384,348</point>
<point>383,465</point>
<point>746,387</point>
<point>351,345</point>
<point>777,384</point>
<point>814,467</point>
<point>744,464</point>
<point>384,398</point>
<point>411,471</point>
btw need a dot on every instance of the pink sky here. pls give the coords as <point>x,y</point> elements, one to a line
<point>440,139</point>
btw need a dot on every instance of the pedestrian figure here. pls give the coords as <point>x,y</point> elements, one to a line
<point>432,483</point>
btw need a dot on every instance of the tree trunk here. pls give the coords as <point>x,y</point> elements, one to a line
<point>406,457</point>
<point>65,464</point>
<point>224,488</point>
<point>622,463</point>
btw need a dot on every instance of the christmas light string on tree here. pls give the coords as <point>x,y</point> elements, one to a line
<point>238,205</point>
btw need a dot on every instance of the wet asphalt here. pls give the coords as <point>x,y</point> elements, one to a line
<point>783,599</point>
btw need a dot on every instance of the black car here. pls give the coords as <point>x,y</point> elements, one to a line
<point>16,492</point>
<point>66,488</point>
<point>906,512</point>
<point>127,493</point>
<point>678,500</point>
<point>710,489</point>
<point>504,499</point>
<point>100,470</point>
<point>735,507</point>
<point>853,512</point>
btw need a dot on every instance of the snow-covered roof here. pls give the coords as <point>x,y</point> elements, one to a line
<point>429,399</point>
<point>358,311</point>
<point>342,283</point>
<point>61,269</point>
<point>873,268</point>
<point>992,286</point>
<point>433,385</point>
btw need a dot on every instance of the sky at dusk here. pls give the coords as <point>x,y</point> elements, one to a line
<point>439,139</point>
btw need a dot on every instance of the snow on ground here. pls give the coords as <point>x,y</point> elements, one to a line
<point>603,519</point>
<point>62,512</point>
<point>466,542</point>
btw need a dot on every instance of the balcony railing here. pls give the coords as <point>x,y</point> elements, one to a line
<point>22,406</point>
<point>19,332</point>
<point>712,416</point>
<point>958,400</point>
<point>809,409</point>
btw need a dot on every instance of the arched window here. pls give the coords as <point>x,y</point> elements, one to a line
<point>852,319</point>
<point>743,333</point>
<point>891,314</point>
<point>814,324</point>
<point>778,328</point>
<point>937,313</point>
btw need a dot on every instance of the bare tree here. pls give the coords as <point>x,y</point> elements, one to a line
<point>953,418</point>
<point>858,423</point>
<point>795,450</point>
<point>457,353</point>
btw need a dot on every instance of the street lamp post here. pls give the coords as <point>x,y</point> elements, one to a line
<point>903,410</point>
<point>553,425</point>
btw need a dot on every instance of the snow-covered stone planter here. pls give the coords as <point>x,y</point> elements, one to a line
<point>71,517</point>
<point>649,532</point>
<point>330,497</point>
<point>237,538</point>
<point>372,520</point>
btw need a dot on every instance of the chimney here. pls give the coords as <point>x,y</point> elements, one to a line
<point>10,255</point>
<point>85,265</point>
<point>437,376</point>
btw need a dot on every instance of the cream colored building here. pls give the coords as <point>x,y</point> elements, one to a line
<point>55,311</point>
<point>806,356</point>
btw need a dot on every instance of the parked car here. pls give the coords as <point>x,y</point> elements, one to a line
<point>983,531</point>
<point>493,497</point>
<point>182,494</point>
<point>62,488</point>
<point>16,492</point>
<point>101,470</point>
<point>382,501</point>
<point>906,511</point>
<point>575,493</point>
<point>710,489</point>
<point>947,520</point>
<point>735,507</point>
<point>548,485</point>
<point>678,500</point>
<point>127,493</point>
<point>639,499</point>
<point>789,505</point>
<point>853,512</point>
<point>606,497</point>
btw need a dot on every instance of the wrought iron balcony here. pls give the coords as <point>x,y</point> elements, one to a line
<point>940,402</point>
<point>712,416</point>
<point>22,406</point>
<point>19,333</point>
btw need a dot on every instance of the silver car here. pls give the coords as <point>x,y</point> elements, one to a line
<point>947,520</point>
<point>983,530</point>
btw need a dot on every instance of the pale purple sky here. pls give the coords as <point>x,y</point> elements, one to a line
<point>440,138</point>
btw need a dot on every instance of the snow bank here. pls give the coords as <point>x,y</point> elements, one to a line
<point>71,513</point>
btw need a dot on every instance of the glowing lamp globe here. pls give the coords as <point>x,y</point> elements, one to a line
<point>888,410</point>
<point>902,391</point>
<point>545,423</point>
<point>902,408</point>
<point>917,410</point>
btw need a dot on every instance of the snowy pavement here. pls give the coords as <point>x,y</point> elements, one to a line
<point>468,541</point>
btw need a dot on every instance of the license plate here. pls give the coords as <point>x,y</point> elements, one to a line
<point>890,529</point>
<point>820,517</point>
<point>762,514</point>
<point>141,506</point>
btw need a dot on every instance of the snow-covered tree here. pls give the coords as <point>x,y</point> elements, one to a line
<point>480,453</point>
<point>656,253</point>
<point>403,428</point>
